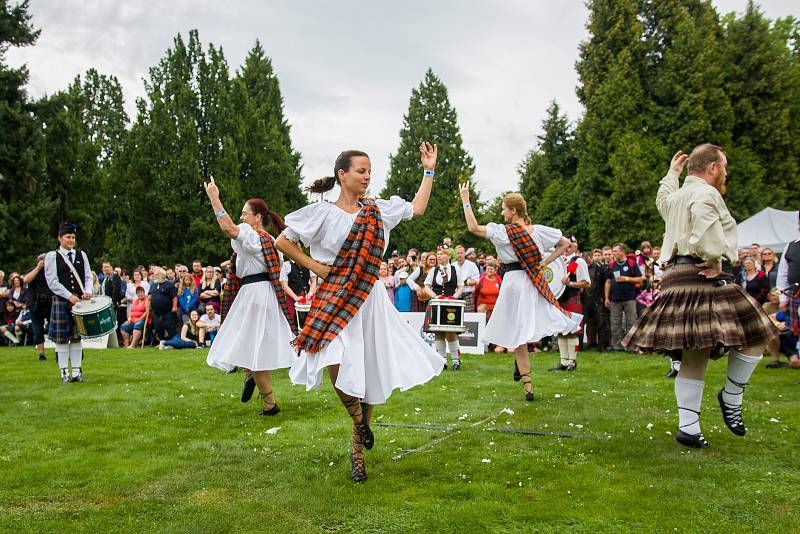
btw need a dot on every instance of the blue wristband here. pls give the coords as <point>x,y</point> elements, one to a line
<point>219,214</point>
<point>429,172</point>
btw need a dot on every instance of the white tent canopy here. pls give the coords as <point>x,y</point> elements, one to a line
<point>769,228</point>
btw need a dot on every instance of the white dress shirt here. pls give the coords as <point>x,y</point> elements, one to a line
<point>51,272</point>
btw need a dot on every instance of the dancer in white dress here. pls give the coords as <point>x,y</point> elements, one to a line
<point>524,312</point>
<point>256,332</point>
<point>353,329</point>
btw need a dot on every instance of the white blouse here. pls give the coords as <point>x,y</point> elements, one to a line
<point>249,255</point>
<point>323,226</point>
<point>545,238</point>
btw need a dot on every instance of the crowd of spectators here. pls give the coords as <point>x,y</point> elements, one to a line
<point>174,307</point>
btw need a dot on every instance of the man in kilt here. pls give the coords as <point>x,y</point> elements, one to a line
<point>69,277</point>
<point>576,280</point>
<point>700,310</point>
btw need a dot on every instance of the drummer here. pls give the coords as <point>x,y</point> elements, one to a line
<point>445,281</point>
<point>69,277</point>
<point>526,309</point>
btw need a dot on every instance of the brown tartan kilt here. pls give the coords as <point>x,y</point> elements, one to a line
<point>573,304</point>
<point>693,313</point>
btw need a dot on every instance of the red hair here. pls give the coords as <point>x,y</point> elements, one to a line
<point>260,207</point>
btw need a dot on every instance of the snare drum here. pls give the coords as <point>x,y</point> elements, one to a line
<point>445,315</point>
<point>95,317</point>
<point>554,273</point>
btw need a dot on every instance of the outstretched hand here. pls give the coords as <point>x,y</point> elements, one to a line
<point>429,153</point>
<point>463,190</point>
<point>211,188</point>
<point>678,161</point>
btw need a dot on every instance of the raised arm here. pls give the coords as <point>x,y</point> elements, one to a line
<point>420,202</point>
<point>223,219</point>
<point>561,247</point>
<point>469,215</point>
<point>670,183</point>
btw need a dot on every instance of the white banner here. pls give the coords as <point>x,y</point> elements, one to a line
<point>101,342</point>
<point>471,341</point>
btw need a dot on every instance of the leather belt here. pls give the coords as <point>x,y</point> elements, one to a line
<point>513,266</point>
<point>684,260</point>
<point>253,278</point>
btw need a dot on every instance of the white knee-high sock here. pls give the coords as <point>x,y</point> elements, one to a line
<point>740,368</point>
<point>689,394</point>
<point>563,350</point>
<point>572,349</point>
<point>441,348</point>
<point>76,357</point>
<point>676,364</point>
<point>455,350</point>
<point>62,354</point>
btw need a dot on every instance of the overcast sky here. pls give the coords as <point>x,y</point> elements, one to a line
<point>347,68</point>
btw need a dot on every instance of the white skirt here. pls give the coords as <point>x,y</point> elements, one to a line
<point>521,315</point>
<point>377,352</point>
<point>255,334</point>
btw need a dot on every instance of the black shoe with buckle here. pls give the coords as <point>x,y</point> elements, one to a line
<point>457,365</point>
<point>248,388</point>
<point>559,367</point>
<point>694,441</point>
<point>732,415</point>
<point>672,373</point>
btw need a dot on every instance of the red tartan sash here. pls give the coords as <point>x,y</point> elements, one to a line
<point>349,283</point>
<point>530,258</point>
<point>233,282</point>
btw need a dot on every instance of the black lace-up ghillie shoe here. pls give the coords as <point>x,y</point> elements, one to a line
<point>694,441</point>
<point>357,468</point>
<point>732,415</point>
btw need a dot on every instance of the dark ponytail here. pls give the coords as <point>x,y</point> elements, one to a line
<point>343,162</point>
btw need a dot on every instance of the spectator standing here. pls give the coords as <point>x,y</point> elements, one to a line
<point>39,300</point>
<point>487,289</point>
<point>769,266</point>
<point>197,272</point>
<point>597,331</point>
<point>209,288</point>
<point>403,293</point>
<point>112,287</point>
<point>416,281</point>
<point>163,305</point>
<point>620,294</point>
<point>388,280</point>
<point>753,280</point>
<point>188,297</point>
<point>16,292</point>
<point>470,274</point>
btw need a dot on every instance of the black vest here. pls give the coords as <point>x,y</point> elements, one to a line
<point>65,275</point>
<point>793,260</point>
<point>299,278</point>
<point>449,287</point>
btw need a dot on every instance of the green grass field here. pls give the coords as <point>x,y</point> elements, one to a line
<point>158,441</point>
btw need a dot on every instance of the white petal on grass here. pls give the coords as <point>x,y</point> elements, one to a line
<point>273,430</point>
<point>486,460</point>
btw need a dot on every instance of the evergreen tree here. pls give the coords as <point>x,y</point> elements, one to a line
<point>763,86</point>
<point>270,167</point>
<point>24,202</point>
<point>549,171</point>
<point>430,117</point>
<point>618,158</point>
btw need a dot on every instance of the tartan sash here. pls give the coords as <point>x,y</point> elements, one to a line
<point>233,282</point>
<point>530,258</point>
<point>349,283</point>
<point>794,319</point>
